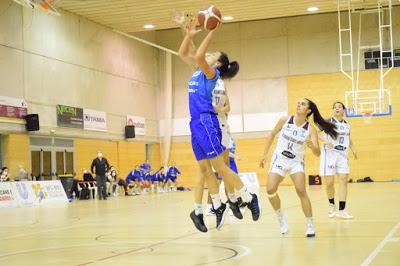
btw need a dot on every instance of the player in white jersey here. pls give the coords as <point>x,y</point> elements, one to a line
<point>220,102</point>
<point>335,161</point>
<point>295,133</point>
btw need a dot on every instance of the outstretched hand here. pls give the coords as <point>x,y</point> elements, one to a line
<point>191,28</point>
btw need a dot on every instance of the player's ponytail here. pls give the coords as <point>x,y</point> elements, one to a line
<point>227,69</point>
<point>323,124</point>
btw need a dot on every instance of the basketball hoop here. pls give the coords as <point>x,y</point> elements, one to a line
<point>367,117</point>
<point>43,5</point>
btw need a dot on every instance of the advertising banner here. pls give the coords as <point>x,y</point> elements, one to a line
<point>139,123</point>
<point>13,107</point>
<point>94,120</point>
<point>68,116</point>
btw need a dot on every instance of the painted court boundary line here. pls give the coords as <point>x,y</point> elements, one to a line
<point>378,249</point>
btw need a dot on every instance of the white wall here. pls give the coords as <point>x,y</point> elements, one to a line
<point>268,52</point>
<point>69,60</point>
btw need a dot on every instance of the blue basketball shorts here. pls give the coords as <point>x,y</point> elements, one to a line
<point>206,137</point>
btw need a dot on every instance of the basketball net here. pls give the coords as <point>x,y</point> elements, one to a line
<point>367,117</point>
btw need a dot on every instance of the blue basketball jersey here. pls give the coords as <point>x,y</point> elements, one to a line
<point>200,93</point>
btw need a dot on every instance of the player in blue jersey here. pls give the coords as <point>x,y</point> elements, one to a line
<point>135,180</point>
<point>162,180</point>
<point>205,130</point>
<point>172,175</point>
<point>145,167</point>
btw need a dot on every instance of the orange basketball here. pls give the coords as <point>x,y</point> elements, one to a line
<point>209,17</point>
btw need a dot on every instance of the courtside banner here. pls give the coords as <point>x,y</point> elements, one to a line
<point>49,192</point>
<point>94,120</point>
<point>24,193</point>
<point>13,107</point>
<point>7,196</point>
<point>139,123</point>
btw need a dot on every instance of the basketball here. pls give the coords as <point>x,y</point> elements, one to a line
<point>209,17</point>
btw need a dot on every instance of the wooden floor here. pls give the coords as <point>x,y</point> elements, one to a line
<point>156,230</point>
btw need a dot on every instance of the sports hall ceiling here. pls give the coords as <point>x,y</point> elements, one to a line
<point>132,15</point>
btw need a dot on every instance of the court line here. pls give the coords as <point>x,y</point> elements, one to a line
<point>162,242</point>
<point>137,249</point>
<point>381,245</point>
<point>27,251</point>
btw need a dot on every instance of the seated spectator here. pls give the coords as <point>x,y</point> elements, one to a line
<point>23,174</point>
<point>4,175</point>
<point>87,176</point>
<point>111,182</point>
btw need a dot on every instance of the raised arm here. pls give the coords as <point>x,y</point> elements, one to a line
<point>186,50</point>
<point>201,56</point>
<point>270,139</point>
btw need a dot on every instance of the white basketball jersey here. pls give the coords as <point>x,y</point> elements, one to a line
<point>292,139</point>
<point>342,142</point>
<point>219,99</point>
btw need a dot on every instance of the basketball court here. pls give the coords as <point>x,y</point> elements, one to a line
<point>155,229</point>
<point>85,78</point>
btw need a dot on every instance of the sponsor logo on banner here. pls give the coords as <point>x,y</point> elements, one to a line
<point>39,191</point>
<point>68,116</point>
<point>24,193</point>
<point>13,107</point>
<point>31,193</point>
<point>7,198</point>
<point>139,123</point>
<point>94,120</point>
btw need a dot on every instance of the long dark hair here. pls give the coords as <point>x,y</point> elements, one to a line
<point>322,124</point>
<point>227,69</point>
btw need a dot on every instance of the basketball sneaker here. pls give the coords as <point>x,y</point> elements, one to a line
<point>343,215</point>
<point>283,224</point>
<point>220,214</point>
<point>198,222</point>
<point>310,230</point>
<point>331,211</point>
<point>234,207</point>
<point>254,207</point>
<point>209,210</point>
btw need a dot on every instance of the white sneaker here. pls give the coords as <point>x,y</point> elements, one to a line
<point>343,215</point>
<point>283,224</point>
<point>310,230</point>
<point>332,211</point>
<point>209,212</point>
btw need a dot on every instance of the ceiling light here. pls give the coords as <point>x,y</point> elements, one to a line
<point>227,18</point>
<point>149,26</point>
<point>312,9</point>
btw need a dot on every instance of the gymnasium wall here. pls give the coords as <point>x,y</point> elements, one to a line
<point>269,51</point>
<point>377,144</point>
<point>281,61</point>
<point>123,155</point>
<point>15,152</point>
<point>69,60</point>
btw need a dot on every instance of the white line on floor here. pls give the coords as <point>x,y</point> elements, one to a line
<point>378,249</point>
